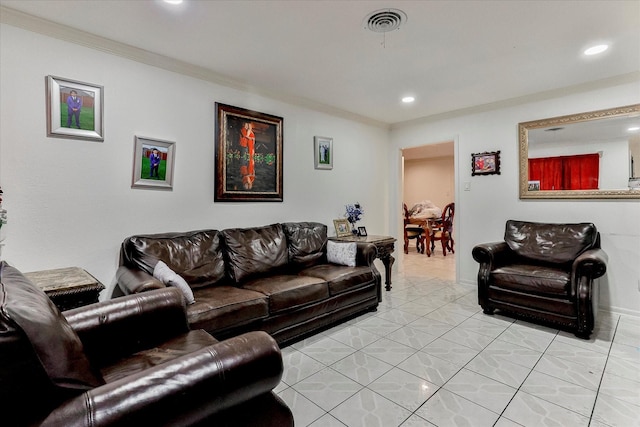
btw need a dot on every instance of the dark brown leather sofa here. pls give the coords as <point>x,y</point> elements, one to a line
<point>131,361</point>
<point>274,278</point>
<point>543,272</point>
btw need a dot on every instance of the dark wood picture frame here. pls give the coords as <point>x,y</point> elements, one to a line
<point>248,155</point>
<point>362,231</point>
<point>487,163</point>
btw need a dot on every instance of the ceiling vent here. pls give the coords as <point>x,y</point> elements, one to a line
<point>385,20</point>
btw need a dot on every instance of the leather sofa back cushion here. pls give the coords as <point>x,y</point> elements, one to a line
<point>253,251</point>
<point>306,241</point>
<point>26,307</point>
<point>552,243</point>
<point>196,255</point>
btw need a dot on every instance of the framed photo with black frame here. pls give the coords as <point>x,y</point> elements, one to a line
<point>487,163</point>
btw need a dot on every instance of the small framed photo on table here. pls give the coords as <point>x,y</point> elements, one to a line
<point>342,227</point>
<point>362,231</point>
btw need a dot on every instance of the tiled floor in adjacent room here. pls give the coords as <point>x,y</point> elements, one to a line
<point>430,357</point>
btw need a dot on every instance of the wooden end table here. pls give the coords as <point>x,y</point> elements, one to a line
<point>384,245</point>
<point>67,287</point>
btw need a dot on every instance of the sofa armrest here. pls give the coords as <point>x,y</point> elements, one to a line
<point>133,281</point>
<point>366,254</point>
<point>182,391</point>
<point>489,256</point>
<point>493,253</point>
<point>590,264</point>
<point>121,326</point>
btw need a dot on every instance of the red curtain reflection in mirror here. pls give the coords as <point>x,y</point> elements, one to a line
<point>578,172</point>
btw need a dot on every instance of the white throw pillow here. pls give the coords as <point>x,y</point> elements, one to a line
<point>169,277</point>
<point>342,253</point>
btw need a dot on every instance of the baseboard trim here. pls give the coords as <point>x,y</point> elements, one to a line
<point>620,310</point>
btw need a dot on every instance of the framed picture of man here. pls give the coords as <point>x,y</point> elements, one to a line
<point>74,109</point>
<point>248,155</point>
<point>323,152</point>
<point>153,161</point>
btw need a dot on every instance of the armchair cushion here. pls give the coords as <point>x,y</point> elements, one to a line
<point>54,342</point>
<point>549,242</point>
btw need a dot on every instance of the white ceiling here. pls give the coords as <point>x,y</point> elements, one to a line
<point>451,55</point>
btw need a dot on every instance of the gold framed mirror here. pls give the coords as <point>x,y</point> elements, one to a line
<point>593,155</point>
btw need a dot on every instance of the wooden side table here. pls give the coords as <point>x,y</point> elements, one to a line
<point>67,287</point>
<point>384,245</point>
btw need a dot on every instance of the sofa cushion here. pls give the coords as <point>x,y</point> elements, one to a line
<point>255,251</point>
<point>166,351</point>
<point>342,253</point>
<point>551,243</point>
<point>288,292</point>
<point>221,307</point>
<point>195,255</point>
<point>340,279</point>
<point>169,277</point>
<point>55,343</point>
<point>536,279</point>
<point>306,242</point>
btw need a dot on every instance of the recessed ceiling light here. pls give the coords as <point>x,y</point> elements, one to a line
<point>633,128</point>
<point>594,50</point>
<point>173,1</point>
<point>408,99</point>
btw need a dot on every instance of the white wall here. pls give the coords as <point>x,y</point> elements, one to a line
<point>70,202</point>
<point>429,179</point>
<point>481,212</point>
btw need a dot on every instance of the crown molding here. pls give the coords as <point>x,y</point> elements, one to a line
<point>62,32</point>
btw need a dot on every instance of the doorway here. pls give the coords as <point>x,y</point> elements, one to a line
<point>428,178</point>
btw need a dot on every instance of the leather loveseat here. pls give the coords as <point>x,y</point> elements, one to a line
<point>544,272</point>
<point>274,278</point>
<point>131,361</point>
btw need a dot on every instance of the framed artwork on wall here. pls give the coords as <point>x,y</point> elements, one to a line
<point>74,109</point>
<point>153,161</point>
<point>323,152</point>
<point>487,163</point>
<point>248,155</point>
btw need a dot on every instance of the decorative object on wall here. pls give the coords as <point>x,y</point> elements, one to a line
<point>612,133</point>
<point>487,163</point>
<point>74,109</point>
<point>323,152</point>
<point>153,161</point>
<point>248,155</point>
<point>362,231</point>
<point>342,227</point>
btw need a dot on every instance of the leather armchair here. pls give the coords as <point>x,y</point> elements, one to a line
<point>127,362</point>
<point>543,272</point>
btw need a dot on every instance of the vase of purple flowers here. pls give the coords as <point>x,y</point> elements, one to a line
<point>354,214</point>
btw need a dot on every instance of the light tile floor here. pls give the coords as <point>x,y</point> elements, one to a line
<point>430,357</point>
